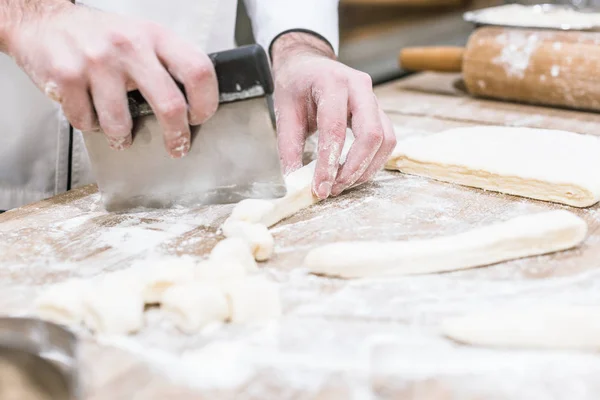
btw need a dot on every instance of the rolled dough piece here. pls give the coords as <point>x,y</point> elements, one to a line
<point>541,164</point>
<point>220,272</point>
<point>62,303</point>
<point>522,236</point>
<point>234,249</point>
<point>159,275</point>
<point>269,212</point>
<point>115,304</point>
<point>253,300</point>
<point>195,304</point>
<point>546,327</point>
<point>256,235</point>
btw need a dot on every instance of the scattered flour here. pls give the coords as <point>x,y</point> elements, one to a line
<point>358,339</point>
<point>517,50</point>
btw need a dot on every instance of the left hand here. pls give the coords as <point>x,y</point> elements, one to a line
<point>314,92</point>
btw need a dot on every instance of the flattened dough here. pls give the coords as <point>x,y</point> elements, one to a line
<point>522,236</point>
<point>549,327</point>
<point>550,165</point>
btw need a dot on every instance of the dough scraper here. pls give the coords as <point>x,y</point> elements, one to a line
<point>233,156</point>
<point>38,359</point>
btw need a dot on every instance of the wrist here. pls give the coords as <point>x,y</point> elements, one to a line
<point>16,14</point>
<point>291,44</point>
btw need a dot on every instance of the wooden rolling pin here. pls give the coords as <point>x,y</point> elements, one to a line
<point>558,68</point>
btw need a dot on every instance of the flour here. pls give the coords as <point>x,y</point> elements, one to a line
<point>517,50</point>
<point>540,16</point>
<point>336,339</point>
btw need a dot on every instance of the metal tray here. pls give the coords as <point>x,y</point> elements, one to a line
<point>589,17</point>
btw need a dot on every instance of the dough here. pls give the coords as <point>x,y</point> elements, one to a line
<point>523,236</point>
<point>195,304</point>
<point>550,327</point>
<point>234,249</point>
<point>62,303</point>
<point>115,304</point>
<point>256,235</point>
<point>159,275</point>
<point>219,272</point>
<point>270,212</point>
<point>530,17</point>
<point>253,300</point>
<point>252,210</point>
<point>548,165</point>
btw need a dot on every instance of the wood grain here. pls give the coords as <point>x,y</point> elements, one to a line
<point>337,338</point>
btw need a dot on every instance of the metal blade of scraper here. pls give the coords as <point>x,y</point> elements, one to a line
<point>45,352</point>
<point>233,156</point>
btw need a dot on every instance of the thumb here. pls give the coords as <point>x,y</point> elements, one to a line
<point>292,130</point>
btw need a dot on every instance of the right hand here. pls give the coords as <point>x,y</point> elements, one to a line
<point>87,60</point>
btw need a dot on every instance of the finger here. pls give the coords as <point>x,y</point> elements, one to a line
<point>196,72</point>
<point>77,107</point>
<point>387,147</point>
<point>332,122</point>
<point>109,96</point>
<point>368,131</point>
<point>292,131</point>
<point>168,103</point>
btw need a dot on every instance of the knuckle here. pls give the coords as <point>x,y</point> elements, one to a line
<point>121,41</point>
<point>364,79</point>
<point>340,77</point>
<point>81,122</point>
<point>200,71</point>
<point>338,128</point>
<point>390,142</point>
<point>115,122</point>
<point>115,128</point>
<point>97,57</point>
<point>172,108</point>
<point>375,138</point>
<point>67,74</point>
<point>153,27</point>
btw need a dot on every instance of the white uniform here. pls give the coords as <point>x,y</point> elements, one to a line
<point>37,149</point>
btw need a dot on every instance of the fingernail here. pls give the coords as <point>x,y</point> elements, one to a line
<point>51,90</point>
<point>324,190</point>
<point>337,190</point>
<point>119,142</point>
<point>180,148</point>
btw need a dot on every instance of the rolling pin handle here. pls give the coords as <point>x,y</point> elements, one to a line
<point>437,59</point>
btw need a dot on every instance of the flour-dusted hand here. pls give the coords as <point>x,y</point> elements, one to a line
<point>87,59</point>
<point>313,92</point>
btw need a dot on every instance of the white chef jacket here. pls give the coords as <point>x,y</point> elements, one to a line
<point>41,156</point>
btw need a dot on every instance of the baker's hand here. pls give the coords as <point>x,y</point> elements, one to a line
<point>88,59</point>
<point>313,92</point>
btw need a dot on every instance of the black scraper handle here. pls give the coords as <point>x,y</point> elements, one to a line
<point>243,73</point>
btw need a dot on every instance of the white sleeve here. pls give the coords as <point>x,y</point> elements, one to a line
<point>273,17</point>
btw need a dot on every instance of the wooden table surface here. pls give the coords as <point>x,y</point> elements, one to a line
<point>337,339</point>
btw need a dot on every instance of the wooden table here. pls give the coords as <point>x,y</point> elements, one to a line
<point>337,338</point>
